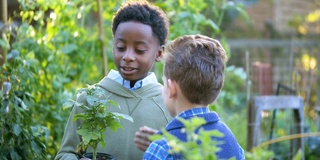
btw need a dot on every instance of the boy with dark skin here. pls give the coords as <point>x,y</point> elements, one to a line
<point>139,33</point>
<point>193,78</point>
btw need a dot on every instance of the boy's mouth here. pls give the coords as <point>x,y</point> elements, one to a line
<point>127,69</point>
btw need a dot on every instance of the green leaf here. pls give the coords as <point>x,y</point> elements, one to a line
<point>197,121</point>
<point>115,126</point>
<point>90,137</point>
<point>12,54</point>
<point>28,94</point>
<point>4,102</point>
<point>47,133</point>
<point>155,137</point>
<point>92,100</point>
<point>79,116</point>
<point>34,129</point>
<point>183,15</point>
<point>99,115</point>
<point>125,116</point>
<point>103,144</point>
<point>229,5</point>
<point>214,133</point>
<point>104,101</point>
<point>113,103</point>
<point>14,155</point>
<point>36,146</point>
<point>23,105</point>
<point>213,26</point>
<point>83,91</point>
<point>20,102</point>
<point>298,155</point>
<point>4,43</point>
<point>78,104</point>
<point>87,126</point>
<point>69,48</point>
<point>16,129</point>
<point>68,104</point>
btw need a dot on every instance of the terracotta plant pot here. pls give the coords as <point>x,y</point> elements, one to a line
<point>100,156</point>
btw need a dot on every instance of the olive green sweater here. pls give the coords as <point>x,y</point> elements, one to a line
<point>144,105</point>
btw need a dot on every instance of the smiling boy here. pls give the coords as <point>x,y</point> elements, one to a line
<point>139,33</point>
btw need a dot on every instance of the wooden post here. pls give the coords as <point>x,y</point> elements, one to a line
<point>248,77</point>
<point>101,38</point>
<point>291,60</point>
<point>249,112</point>
<point>318,91</point>
<point>4,18</point>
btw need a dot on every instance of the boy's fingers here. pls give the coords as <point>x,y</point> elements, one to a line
<point>141,142</point>
<point>149,130</point>
<point>142,147</point>
<point>141,138</point>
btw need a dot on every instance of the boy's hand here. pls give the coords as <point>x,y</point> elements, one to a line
<point>142,137</point>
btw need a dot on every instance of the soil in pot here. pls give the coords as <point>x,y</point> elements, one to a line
<point>100,156</point>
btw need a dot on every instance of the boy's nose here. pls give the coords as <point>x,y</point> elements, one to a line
<point>129,56</point>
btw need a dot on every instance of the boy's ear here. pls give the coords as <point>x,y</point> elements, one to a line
<point>160,53</point>
<point>172,85</point>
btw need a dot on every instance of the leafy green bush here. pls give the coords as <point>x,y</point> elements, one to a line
<point>58,52</point>
<point>20,136</point>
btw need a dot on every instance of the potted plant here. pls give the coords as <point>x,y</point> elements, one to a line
<point>95,119</point>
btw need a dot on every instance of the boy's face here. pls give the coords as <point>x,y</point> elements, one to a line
<point>135,50</point>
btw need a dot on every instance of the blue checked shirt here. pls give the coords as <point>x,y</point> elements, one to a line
<point>159,149</point>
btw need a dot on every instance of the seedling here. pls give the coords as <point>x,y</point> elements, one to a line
<point>95,117</point>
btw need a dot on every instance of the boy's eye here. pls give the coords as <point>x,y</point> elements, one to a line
<point>121,48</point>
<point>140,51</point>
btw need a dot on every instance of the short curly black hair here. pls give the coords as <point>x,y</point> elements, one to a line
<point>146,13</point>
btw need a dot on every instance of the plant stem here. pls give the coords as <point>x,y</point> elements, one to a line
<point>94,156</point>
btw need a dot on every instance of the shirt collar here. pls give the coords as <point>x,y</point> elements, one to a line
<point>193,112</point>
<point>203,112</point>
<point>136,86</point>
<point>115,75</point>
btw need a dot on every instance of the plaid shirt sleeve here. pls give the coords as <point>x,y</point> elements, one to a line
<point>158,150</point>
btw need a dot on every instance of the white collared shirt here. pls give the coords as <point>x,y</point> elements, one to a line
<point>115,75</point>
